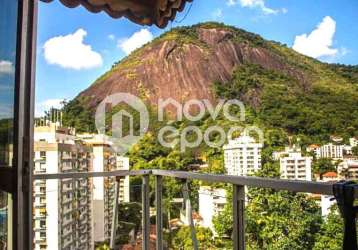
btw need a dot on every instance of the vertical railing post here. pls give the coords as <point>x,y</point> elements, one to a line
<point>344,194</point>
<point>190,214</point>
<point>159,216</point>
<point>145,212</point>
<point>115,215</point>
<point>238,207</point>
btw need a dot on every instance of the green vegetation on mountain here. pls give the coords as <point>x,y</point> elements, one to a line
<point>76,115</point>
<point>348,71</point>
<point>278,100</point>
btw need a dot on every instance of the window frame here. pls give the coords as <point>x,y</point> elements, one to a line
<point>17,179</point>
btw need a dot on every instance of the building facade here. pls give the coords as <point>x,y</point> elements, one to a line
<point>211,202</point>
<point>242,156</point>
<point>294,166</point>
<point>330,150</point>
<point>62,208</point>
<point>353,142</point>
<point>105,159</point>
<point>123,164</point>
<point>348,169</point>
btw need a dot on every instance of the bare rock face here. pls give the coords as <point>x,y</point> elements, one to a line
<point>183,71</point>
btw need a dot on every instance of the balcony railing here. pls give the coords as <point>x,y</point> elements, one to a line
<point>345,194</point>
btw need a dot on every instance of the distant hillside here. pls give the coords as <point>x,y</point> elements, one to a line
<point>205,61</point>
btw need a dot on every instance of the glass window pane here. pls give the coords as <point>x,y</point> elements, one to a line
<point>5,221</point>
<point>8,28</point>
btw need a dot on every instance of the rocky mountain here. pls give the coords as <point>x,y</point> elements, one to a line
<point>185,62</point>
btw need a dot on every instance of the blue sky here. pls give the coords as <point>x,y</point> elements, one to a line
<point>7,58</point>
<point>325,29</point>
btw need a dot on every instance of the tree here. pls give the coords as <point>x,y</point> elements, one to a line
<point>280,219</point>
<point>323,165</point>
<point>276,138</point>
<point>275,219</point>
<point>103,246</point>
<point>77,115</point>
<point>129,218</point>
<point>330,236</point>
<point>355,151</point>
<point>182,238</point>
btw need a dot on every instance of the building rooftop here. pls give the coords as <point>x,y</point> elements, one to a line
<point>330,175</point>
<point>242,140</point>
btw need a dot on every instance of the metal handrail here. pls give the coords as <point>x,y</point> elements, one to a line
<point>78,175</point>
<point>260,182</point>
<point>344,192</point>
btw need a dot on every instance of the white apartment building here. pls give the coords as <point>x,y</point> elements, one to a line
<point>348,169</point>
<point>353,142</point>
<point>330,150</point>
<point>294,166</point>
<point>123,164</point>
<point>61,208</point>
<point>327,201</point>
<point>277,155</point>
<point>242,156</point>
<point>211,203</point>
<point>105,159</point>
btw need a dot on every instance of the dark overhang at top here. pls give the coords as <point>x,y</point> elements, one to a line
<point>144,12</point>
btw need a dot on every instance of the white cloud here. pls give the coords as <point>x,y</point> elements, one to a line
<point>47,105</point>
<point>260,4</point>
<point>344,51</point>
<point>6,67</point>
<point>71,53</point>
<point>284,10</point>
<point>111,37</point>
<point>138,39</point>
<point>218,13</point>
<point>231,2</point>
<point>319,42</point>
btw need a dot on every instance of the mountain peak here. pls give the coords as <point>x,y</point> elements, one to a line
<point>184,62</point>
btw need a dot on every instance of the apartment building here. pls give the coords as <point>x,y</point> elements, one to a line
<point>330,150</point>
<point>295,166</point>
<point>123,164</point>
<point>348,169</point>
<point>313,148</point>
<point>353,142</point>
<point>105,159</point>
<point>211,203</point>
<point>242,156</point>
<point>61,208</point>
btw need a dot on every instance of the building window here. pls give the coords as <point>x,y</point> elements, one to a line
<point>42,223</point>
<point>43,154</point>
